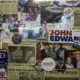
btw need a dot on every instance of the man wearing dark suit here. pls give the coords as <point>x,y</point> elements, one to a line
<point>45,51</point>
<point>78,61</point>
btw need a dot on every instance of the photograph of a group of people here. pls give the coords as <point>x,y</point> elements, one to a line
<point>10,24</point>
<point>60,17</point>
<point>65,55</point>
<point>29,13</point>
<point>22,55</point>
<point>30,18</point>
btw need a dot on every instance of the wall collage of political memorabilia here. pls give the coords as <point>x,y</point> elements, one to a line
<point>39,39</point>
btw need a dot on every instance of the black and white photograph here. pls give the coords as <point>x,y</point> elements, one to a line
<point>30,23</point>
<point>22,55</point>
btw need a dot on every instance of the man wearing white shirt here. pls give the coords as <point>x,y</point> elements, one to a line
<point>67,17</point>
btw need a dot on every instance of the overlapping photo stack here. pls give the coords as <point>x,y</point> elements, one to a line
<point>32,31</point>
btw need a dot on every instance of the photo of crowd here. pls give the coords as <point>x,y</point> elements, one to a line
<point>29,14</point>
<point>64,57</point>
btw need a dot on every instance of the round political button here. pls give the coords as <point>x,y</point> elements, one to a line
<point>48,64</point>
<point>16,39</point>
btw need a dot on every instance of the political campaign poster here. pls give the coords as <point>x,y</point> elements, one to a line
<point>64,36</point>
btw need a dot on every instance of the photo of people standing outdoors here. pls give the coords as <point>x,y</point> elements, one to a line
<point>49,50</point>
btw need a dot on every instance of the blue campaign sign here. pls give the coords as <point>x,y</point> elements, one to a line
<point>3,57</point>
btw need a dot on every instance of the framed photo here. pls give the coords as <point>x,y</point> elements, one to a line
<point>22,55</point>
